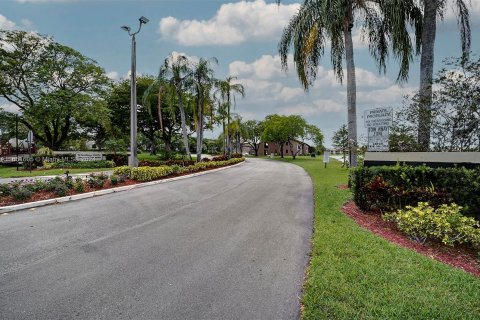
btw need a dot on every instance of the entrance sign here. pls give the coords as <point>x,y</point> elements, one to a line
<point>380,117</point>
<point>88,156</point>
<point>378,139</point>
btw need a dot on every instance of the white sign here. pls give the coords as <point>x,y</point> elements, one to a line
<point>326,156</point>
<point>378,139</point>
<point>30,136</point>
<point>88,156</point>
<point>381,117</point>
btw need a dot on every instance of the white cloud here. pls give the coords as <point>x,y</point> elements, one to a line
<point>317,107</point>
<point>10,107</point>
<point>473,8</point>
<point>288,93</point>
<point>113,75</point>
<point>6,24</point>
<point>266,67</point>
<point>234,23</point>
<point>392,94</point>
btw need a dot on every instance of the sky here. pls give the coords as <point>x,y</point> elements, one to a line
<point>243,36</point>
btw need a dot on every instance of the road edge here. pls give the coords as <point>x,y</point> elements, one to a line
<point>41,203</point>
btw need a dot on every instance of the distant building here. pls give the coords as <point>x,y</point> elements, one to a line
<point>267,148</point>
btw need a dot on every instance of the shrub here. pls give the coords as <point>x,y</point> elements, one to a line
<point>150,173</point>
<point>79,185</point>
<point>96,180</point>
<point>176,168</point>
<point>389,188</point>
<point>220,158</point>
<point>58,186</point>
<point>445,224</point>
<point>123,170</point>
<point>118,159</point>
<point>114,180</point>
<point>20,193</point>
<point>5,190</point>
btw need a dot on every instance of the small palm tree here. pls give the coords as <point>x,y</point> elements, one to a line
<point>384,23</point>
<point>227,90</point>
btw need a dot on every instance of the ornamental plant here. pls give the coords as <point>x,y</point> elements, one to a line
<point>445,223</point>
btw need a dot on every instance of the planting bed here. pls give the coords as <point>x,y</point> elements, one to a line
<point>461,257</point>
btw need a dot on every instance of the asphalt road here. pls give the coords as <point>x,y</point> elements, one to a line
<point>226,245</point>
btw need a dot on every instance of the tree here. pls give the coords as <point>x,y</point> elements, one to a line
<point>385,23</point>
<point>53,85</point>
<point>252,131</point>
<point>283,130</point>
<point>314,134</point>
<point>202,81</point>
<point>177,72</point>
<point>455,112</point>
<point>340,140</point>
<point>227,90</point>
<point>431,10</point>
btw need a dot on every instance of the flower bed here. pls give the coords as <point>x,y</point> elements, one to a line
<point>34,190</point>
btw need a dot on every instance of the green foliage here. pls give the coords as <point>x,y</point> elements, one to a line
<point>58,186</point>
<point>445,224</point>
<point>150,173</point>
<point>97,180</point>
<point>80,164</point>
<point>79,185</point>
<point>355,274</point>
<point>389,188</point>
<point>123,170</point>
<point>20,193</point>
<point>45,151</point>
<point>55,87</point>
<point>114,179</point>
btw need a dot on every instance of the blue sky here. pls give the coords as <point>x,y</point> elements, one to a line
<point>243,35</point>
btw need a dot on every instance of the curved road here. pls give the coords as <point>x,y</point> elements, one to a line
<point>231,244</point>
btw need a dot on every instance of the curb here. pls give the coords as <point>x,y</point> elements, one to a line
<point>41,203</point>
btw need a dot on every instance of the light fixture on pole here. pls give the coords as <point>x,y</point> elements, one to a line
<point>132,161</point>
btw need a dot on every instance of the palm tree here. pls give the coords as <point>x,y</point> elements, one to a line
<point>432,9</point>
<point>202,82</point>
<point>177,72</point>
<point>227,90</point>
<point>385,23</point>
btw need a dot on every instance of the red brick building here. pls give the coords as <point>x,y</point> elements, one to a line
<point>267,148</point>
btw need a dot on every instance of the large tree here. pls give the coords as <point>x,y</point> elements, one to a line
<point>283,130</point>
<point>252,131</point>
<point>340,140</point>
<point>432,10</point>
<point>52,85</point>
<point>319,23</point>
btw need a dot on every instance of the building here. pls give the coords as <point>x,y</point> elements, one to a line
<point>267,148</point>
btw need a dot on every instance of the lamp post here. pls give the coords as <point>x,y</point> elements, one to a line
<point>133,94</point>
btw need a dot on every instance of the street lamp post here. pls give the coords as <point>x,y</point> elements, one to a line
<point>133,162</point>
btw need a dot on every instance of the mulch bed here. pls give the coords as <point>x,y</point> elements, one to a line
<point>461,257</point>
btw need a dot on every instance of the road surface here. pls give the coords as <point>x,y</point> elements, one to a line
<point>231,244</point>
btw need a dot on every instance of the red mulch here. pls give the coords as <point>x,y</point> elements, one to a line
<point>460,257</point>
<point>342,187</point>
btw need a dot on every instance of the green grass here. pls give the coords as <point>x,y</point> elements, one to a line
<point>11,172</point>
<point>355,274</point>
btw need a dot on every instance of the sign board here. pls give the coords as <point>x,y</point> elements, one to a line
<point>88,156</point>
<point>380,117</point>
<point>378,139</point>
<point>326,156</point>
<point>30,136</point>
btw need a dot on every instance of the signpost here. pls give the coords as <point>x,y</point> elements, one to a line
<point>378,122</point>
<point>29,140</point>
<point>326,157</point>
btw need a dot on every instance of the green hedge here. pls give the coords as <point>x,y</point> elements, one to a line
<point>151,173</point>
<point>389,188</point>
<point>79,164</point>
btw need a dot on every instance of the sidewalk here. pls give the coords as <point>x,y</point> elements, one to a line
<point>76,175</point>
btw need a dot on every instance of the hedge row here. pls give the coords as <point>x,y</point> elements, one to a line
<point>389,188</point>
<point>79,164</point>
<point>151,173</point>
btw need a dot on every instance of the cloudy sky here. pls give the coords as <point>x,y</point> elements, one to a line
<point>243,35</point>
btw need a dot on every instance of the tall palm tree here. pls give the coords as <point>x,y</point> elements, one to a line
<point>385,23</point>
<point>431,10</point>
<point>227,90</point>
<point>202,82</point>
<point>177,72</point>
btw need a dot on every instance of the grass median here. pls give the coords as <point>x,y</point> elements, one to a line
<point>354,274</point>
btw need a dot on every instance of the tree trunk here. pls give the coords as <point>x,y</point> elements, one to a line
<point>351,94</point>
<point>184,126</point>
<point>281,150</point>
<point>256,146</point>
<point>199,129</point>
<point>426,73</point>
<point>229,152</point>
<point>224,140</point>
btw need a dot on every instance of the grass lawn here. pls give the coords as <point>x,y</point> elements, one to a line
<point>355,274</point>
<point>11,172</point>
